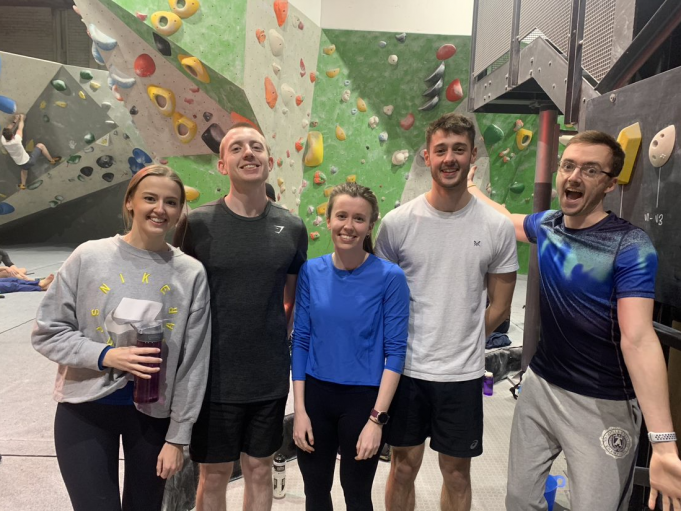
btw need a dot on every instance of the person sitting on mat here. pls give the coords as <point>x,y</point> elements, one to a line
<point>13,285</point>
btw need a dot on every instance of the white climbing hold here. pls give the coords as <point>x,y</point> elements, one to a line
<point>373,122</point>
<point>400,157</point>
<point>276,43</point>
<point>392,60</point>
<point>120,79</point>
<point>103,41</point>
<point>288,95</point>
<point>305,123</point>
<point>345,97</point>
<point>388,110</point>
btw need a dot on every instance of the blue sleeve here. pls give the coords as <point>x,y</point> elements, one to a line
<point>396,321</point>
<point>635,266</point>
<point>531,226</point>
<point>100,362</point>
<point>301,327</point>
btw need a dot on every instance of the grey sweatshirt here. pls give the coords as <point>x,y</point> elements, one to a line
<point>101,290</point>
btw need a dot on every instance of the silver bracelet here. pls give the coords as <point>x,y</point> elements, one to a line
<point>657,438</point>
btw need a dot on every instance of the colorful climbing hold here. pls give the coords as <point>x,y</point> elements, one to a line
<point>352,178</point>
<point>164,99</point>
<point>43,104</point>
<point>517,187</point>
<point>89,138</point>
<point>314,235</point>
<point>313,77</point>
<point>445,52</point>
<point>184,8</point>
<point>408,122</point>
<point>281,11</point>
<point>166,23</point>
<point>276,43</point>
<point>194,67</point>
<point>97,56</point>
<point>492,135</point>
<point>280,162</point>
<point>61,104</point>
<point>340,133</point>
<point>302,68</point>
<point>373,122</point>
<point>333,73</point>
<point>321,209</point>
<point>383,136</point>
<point>271,95</point>
<point>185,128</point>
<point>299,144</point>
<point>299,100</point>
<point>361,105</point>
<point>144,65</point>
<point>191,193</point>
<point>504,152</point>
<point>392,60</point>
<point>59,85</point>
<point>105,161</point>
<point>6,209</point>
<point>388,110</point>
<point>122,80</point>
<point>103,41</point>
<point>260,35</point>
<point>162,45</point>
<point>319,177</point>
<point>86,75</point>
<point>518,124</point>
<point>74,158</point>
<point>401,37</point>
<point>523,137</point>
<point>81,95</point>
<point>95,85</point>
<point>141,16</point>
<point>329,50</point>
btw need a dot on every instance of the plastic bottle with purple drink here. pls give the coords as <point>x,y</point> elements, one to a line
<point>149,335</point>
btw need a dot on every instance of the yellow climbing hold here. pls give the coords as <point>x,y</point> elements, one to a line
<point>30,146</point>
<point>185,128</point>
<point>352,178</point>
<point>523,137</point>
<point>191,193</point>
<point>630,140</point>
<point>95,85</point>
<point>327,191</point>
<point>328,50</point>
<point>333,73</point>
<point>314,154</point>
<point>60,103</point>
<point>361,105</point>
<point>43,104</point>
<point>81,94</point>
<point>184,8</point>
<point>166,23</point>
<point>194,67</point>
<point>321,209</point>
<point>340,133</point>
<point>280,182</point>
<point>164,99</point>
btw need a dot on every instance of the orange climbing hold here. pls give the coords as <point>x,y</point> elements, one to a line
<point>236,118</point>
<point>333,73</point>
<point>313,77</point>
<point>260,35</point>
<point>299,100</point>
<point>299,144</point>
<point>281,10</point>
<point>270,93</point>
<point>314,235</point>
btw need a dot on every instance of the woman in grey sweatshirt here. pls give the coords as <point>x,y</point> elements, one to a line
<point>86,323</point>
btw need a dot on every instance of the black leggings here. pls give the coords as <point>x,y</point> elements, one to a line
<point>4,258</point>
<point>87,438</point>
<point>338,414</point>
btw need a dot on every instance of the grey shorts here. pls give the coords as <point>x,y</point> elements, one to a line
<point>33,159</point>
<point>598,436</point>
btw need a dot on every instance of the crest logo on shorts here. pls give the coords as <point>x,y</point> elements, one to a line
<point>616,442</point>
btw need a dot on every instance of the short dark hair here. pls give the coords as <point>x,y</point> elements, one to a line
<point>593,137</point>
<point>7,133</point>
<point>452,123</point>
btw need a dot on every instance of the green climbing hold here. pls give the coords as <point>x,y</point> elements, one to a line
<point>492,135</point>
<point>517,187</point>
<point>86,75</point>
<point>54,203</point>
<point>35,184</point>
<point>89,138</point>
<point>59,85</point>
<point>46,118</point>
<point>81,178</point>
<point>74,158</point>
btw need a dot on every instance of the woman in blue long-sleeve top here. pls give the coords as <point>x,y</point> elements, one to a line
<point>349,344</point>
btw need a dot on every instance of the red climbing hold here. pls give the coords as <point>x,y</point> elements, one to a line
<point>281,10</point>
<point>299,144</point>
<point>407,123</point>
<point>139,15</point>
<point>144,65</point>
<point>271,95</point>
<point>454,91</point>
<point>302,68</point>
<point>313,76</point>
<point>299,100</point>
<point>260,35</point>
<point>446,51</point>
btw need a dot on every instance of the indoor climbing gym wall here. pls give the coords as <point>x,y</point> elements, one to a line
<point>376,93</point>
<point>74,114</point>
<point>188,70</point>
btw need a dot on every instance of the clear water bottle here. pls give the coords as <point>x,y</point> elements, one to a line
<point>149,335</point>
<point>488,384</point>
<point>279,476</point>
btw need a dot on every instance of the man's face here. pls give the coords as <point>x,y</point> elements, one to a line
<point>244,157</point>
<point>449,157</point>
<point>579,194</point>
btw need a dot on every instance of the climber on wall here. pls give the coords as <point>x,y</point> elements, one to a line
<point>13,143</point>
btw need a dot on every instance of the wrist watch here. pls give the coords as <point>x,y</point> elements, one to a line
<point>657,438</point>
<point>381,418</point>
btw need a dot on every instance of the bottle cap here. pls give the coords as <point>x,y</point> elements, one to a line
<point>489,375</point>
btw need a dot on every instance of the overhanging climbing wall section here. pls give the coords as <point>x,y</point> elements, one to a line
<point>74,114</point>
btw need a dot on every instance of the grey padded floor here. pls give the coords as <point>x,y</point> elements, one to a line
<point>29,475</point>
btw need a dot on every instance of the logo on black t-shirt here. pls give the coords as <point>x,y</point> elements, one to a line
<point>616,442</point>
<point>278,228</point>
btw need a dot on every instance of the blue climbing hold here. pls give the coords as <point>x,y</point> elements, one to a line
<point>134,165</point>
<point>6,209</point>
<point>97,56</point>
<point>141,157</point>
<point>7,105</point>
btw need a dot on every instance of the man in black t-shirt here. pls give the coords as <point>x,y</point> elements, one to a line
<point>252,250</point>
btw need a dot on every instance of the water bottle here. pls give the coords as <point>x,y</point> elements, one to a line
<point>279,476</point>
<point>149,335</point>
<point>488,384</point>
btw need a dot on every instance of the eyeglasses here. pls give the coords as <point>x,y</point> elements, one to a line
<point>589,172</point>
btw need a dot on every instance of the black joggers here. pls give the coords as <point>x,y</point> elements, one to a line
<point>338,414</point>
<point>87,438</point>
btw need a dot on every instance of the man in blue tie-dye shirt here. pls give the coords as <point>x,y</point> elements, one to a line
<point>599,356</point>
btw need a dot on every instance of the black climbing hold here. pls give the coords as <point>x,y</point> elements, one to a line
<point>86,171</point>
<point>105,161</point>
<point>212,137</point>
<point>207,116</point>
<point>108,177</point>
<point>133,110</point>
<point>162,45</point>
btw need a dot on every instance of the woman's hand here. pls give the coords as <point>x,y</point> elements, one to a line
<point>131,358</point>
<point>471,175</point>
<point>170,460</point>
<point>302,431</point>
<point>369,440</point>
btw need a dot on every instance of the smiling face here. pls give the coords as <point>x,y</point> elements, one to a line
<point>155,206</point>
<point>449,157</point>
<point>244,158</point>
<point>580,196</point>
<point>349,222</point>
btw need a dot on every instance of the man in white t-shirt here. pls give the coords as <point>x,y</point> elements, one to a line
<point>456,251</point>
<point>13,144</point>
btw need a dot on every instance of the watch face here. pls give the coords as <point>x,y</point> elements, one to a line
<point>382,418</point>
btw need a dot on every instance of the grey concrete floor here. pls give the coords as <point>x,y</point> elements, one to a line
<point>29,474</point>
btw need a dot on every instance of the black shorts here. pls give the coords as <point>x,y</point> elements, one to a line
<point>450,413</point>
<point>224,430</point>
<point>33,159</point>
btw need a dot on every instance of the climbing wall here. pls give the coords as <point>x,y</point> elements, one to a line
<point>74,114</point>
<point>376,93</point>
<point>187,71</point>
